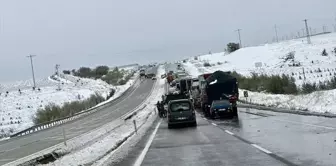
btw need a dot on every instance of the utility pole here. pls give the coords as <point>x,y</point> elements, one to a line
<point>240,44</point>
<point>298,34</point>
<point>304,74</point>
<point>324,29</point>
<point>308,37</point>
<point>276,33</point>
<point>335,25</point>
<point>58,74</point>
<point>32,68</point>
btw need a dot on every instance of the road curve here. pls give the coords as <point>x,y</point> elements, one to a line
<point>19,147</point>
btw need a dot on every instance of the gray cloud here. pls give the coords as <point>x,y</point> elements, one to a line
<point>88,33</point>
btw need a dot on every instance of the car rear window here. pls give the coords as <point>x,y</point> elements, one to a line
<point>220,102</point>
<point>180,106</point>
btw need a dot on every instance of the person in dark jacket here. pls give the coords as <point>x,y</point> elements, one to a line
<point>163,111</point>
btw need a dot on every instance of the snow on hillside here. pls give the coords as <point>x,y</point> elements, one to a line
<point>16,110</point>
<point>315,66</point>
<point>271,59</point>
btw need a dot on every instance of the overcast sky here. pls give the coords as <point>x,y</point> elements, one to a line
<point>78,33</point>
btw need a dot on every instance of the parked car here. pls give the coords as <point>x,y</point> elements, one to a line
<point>181,112</point>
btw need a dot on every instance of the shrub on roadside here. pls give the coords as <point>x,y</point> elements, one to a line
<point>66,72</point>
<point>271,84</point>
<point>206,64</point>
<point>52,112</point>
<point>232,47</point>
<point>114,77</point>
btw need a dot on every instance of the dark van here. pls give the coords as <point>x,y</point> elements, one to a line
<point>181,112</point>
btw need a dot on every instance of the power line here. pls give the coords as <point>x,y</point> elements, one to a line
<point>32,68</point>
<point>308,37</point>
<point>238,30</point>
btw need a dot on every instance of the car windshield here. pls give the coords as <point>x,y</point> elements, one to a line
<point>180,106</point>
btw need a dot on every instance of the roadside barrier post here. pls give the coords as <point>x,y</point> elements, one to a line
<point>64,137</point>
<point>135,127</point>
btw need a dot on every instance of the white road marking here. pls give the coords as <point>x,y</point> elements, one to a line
<point>141,157</point>
<point>214,124</point>
<point>229,132</point>
<point>261,148</point>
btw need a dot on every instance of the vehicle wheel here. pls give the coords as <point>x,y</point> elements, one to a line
<point>235,112</point>
<point>212,115</point>
<point>194,124</point>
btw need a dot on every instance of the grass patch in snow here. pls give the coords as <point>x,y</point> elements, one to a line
<point>281,84</point>
<point>52,111</point>
<point>264,83</point>
<point>312,87</point>
<point>115,77</point>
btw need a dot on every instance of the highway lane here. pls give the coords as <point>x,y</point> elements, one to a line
<point>303,140</point>
<point>19,147</point>
<point>204,145</point>
<point>256,138</point>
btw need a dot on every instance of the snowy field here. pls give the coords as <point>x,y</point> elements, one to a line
<point>17,109</point>
<point>114,133</point>
<point>269,59</point>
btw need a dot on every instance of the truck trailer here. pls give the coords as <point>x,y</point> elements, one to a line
<point>220,86</point>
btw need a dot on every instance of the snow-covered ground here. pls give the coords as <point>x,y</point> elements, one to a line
<point>113,133</point>
<point>17,110</point>
<point>269,60</point>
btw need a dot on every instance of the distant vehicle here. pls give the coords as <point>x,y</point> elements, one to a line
<point>174,96</point>
<point>150,75</point>
<point>153,78</point>
<point>181,112</point>
<point>170,77</point>
<point>201,87</point>
<point>219,85</point>
<point>142,73</point>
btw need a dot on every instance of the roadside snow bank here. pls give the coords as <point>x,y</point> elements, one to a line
<point>107,138</point>
<point>320,101</point>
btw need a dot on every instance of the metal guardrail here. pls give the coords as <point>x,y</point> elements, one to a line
<point>134,113</point>
<point>60,121</point>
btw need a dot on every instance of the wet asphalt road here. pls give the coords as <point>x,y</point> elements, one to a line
<point>257,138</point>
<point>19,147</point>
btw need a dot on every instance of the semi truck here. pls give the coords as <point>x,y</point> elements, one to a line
<point>219,86</point>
